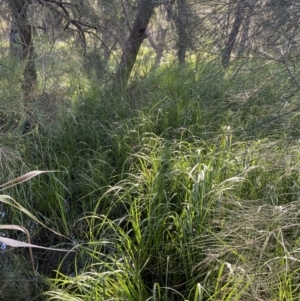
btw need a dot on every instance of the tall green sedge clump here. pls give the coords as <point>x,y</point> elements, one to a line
<point>169,242</point>
<point>168,197</point>
<point>175,200</point>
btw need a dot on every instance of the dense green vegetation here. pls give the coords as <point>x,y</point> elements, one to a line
<point>183,187</point>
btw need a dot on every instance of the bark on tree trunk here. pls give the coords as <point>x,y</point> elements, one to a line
<point>14,40</point>
<point>104,43</point>
<point>30,75</point>
<point>158,47</point>
<point>182,35</point>
<point>246,27</point>
<point>239,17</point>
<point>133,43</point>
<point>19,16</point>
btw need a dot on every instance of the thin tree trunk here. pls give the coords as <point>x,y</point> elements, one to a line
<point>239,17</point>
<point>158,47</point>
<point>133,43</point>
<point>246,27</point>
<point>104,43</point>
<point>182,35</point>
<point>14,40</point>
<point>30,75</point>
<point>19,16</point>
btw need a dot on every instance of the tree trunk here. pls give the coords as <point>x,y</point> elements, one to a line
<point>157,39</point>
<point>239,17</point>
<point>25,31</point>
<point>246,27</point>
<point>159,46</point>
<point>182,35</point>
<point>104,44</point>
<point>133,43</point>
<point>19,17</point>
<point>14,40</point>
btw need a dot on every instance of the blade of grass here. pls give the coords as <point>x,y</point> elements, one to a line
<point>24,178</point>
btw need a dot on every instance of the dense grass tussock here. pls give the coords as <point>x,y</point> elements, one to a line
<point>185,188</point>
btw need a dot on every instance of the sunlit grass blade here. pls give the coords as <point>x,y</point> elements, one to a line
<point>23,178</point>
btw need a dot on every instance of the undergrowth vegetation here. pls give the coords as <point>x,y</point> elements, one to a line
<point>186,187</point>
